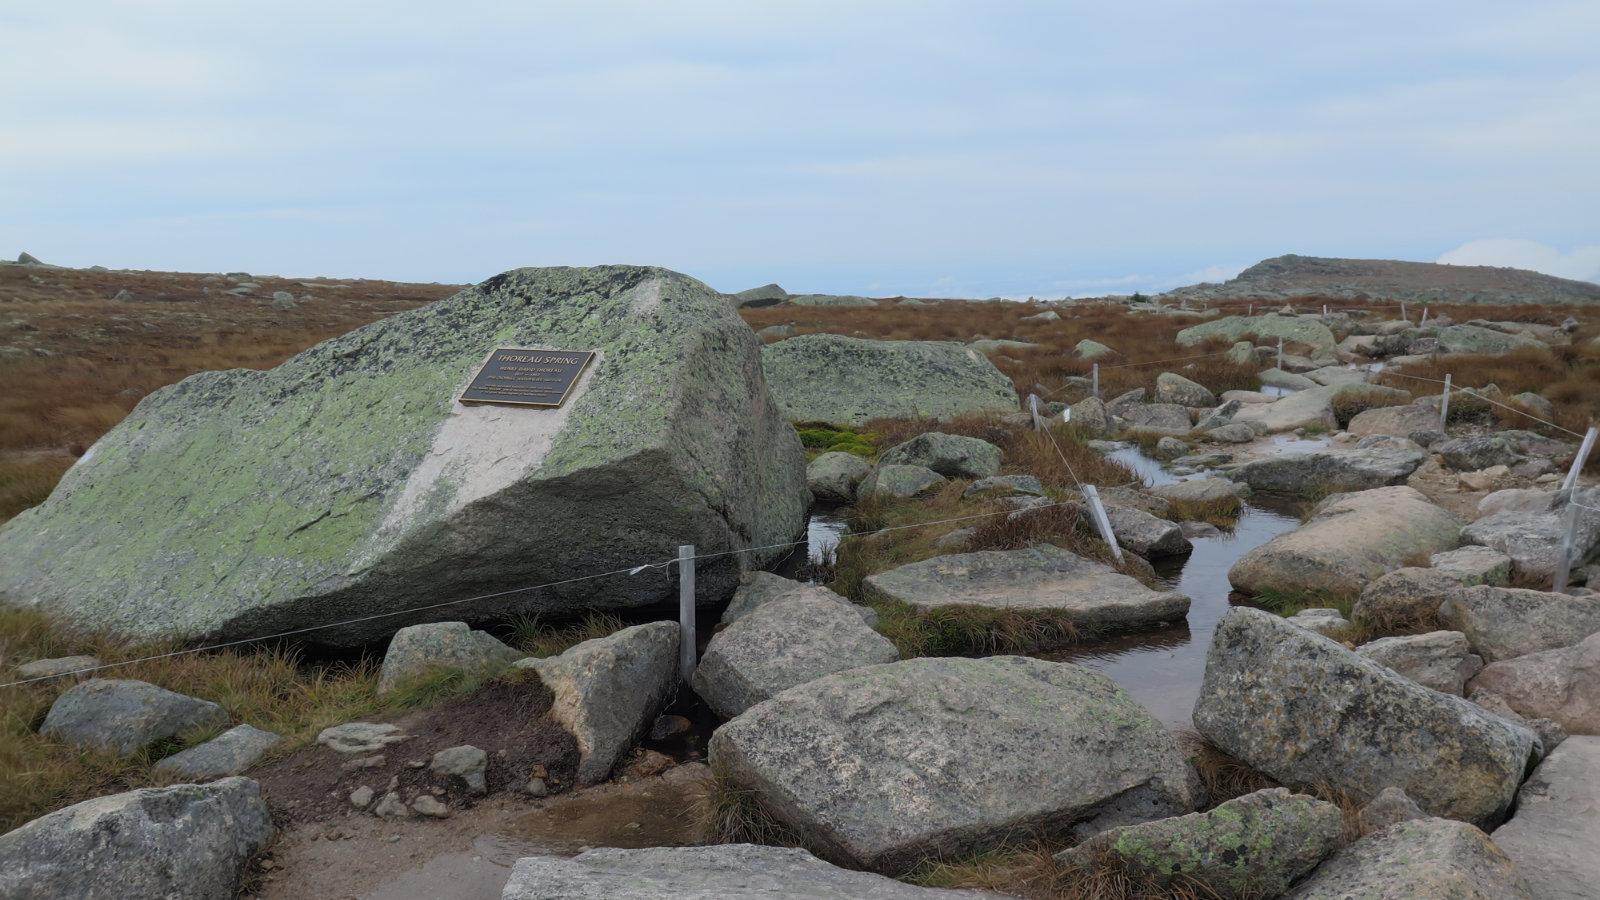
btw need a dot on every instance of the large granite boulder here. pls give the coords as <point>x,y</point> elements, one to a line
<point>831,300</point>
<point>1561,685</point>
<point>1174,388</point>
<point>722,872</point>
<point>186,840</point>
<point>892,481</point>
<point>1441,660</point>
<point>1305,710</point>
<point>844,380</point>
<point>1330,470</point>
<point>1424,858</point>
<point>415,651</point>
<point>1396,420</point>
<point>1091,595</point>
<point>1477,339</point>
<point>760,588</point>
<point>782,644</point>
<point>349,482</point>
<point>951,455</point>
<point>608,691</point>
<point>125,716</point>
<point>1552,836</point>
<point>1405,598</point>
<point>833,476</point>
<point>1311,408</point>
<point>1534,540</point>
<point>1349,540</point>
<point>885,766</point>
<point>1473,564</point>
<point>766,295</point>
<point>1251,846</point>
<point>1502,623</point>
<point>1293,330</point>
<point>1139,532</point>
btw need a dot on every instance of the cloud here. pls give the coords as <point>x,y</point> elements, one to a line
<point>1582,263</point>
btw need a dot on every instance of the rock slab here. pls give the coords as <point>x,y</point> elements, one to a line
<point>125,716</point>
<point>229,753</point>
<point>1417,860</point>
<point>878,766</point>
<point>189,841</point>
<point>1305,710</point>
<point>1560,685</point>
<point>844,380</point>
<point>1552,836</point>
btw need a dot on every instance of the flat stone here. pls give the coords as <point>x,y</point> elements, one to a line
<point>828,378</point>
<point>1473,565</point>
<point>1003,485</point>
<point>722,872</point>
<point>1552,837</point>
<point>875,765</point>
<point>1201,490</point>
<point>230,753</point>
<point>1265,680</point>
<point>760,588</point>
<point>125,716</point>
<point>47,668</point>
<point>1309,408</point>
<point>1091,595</point>
<point>1331,470</point>
<point>1326,622</point>
<point>1156,417</point>
<point>1561,685</point>
<point>1396,420</point>
<point>360,737</point>
<point>1293,329</point>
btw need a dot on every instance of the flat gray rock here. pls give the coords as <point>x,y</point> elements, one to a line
<point>1473,564</point>
<point>1312,407</point>
<point>1201,490</point>
<point>189,841</point>
<point>608,691</point>
<point>760,588</point>
<point>1305,710</point>
<point>1477,339</point>
<point>1268,327</point>
<point>1441,660</point>
<point>783,644</point>
<point>1156,417</point>
<point>1091,594</point>
<point>1560,685</point>
<point>46,668</point>
<point>125,716</point>
<point>878,766</point>
<point>1502,623</point>
<point>349,482</point>
<point>1552,836</point>
<point>1329,471</point>
<point>360,737</point>
<point>1349,541</point>
<point>229,753</point>
<point>1232,433</point>
<point>844,380</point>
<point>831,300</point>
<point>722,872</point>
<point>1004,485</point>
<point>1421,859</point>
<point>951,455</point>
<point>415,651</point>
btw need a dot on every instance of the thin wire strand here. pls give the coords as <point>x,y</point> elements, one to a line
<point>1473,392</point>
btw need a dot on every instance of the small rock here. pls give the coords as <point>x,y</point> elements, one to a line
<point>667,726</point>
<point>46,668</point>
<point>1391,807</point>
<point>430,807</point>
<point>360,737</point>
<point>467,763</point>
<point>391,807</point>
<point>370,762</point>
<point>361,797</point>
<point>536,788</point>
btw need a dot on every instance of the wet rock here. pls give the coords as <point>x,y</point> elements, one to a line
<point>1349,541</point>
<point>415,651</point>
<point>466,763</point>
<point>608,691</point>
<point>1091,595</point>
<point>1329,471</point>
<point>1252,846</point>
<point>721,872</point>
<point>1391,807</point>
<point>1502,623</point>
<point>230,753</point>
<point>1473,564</point>
<point>123,717</point>
<point>1551,838</point>
<point>1404,598</point>
<point>360,737</point>
<point>828,378</point>
<point>1201,490</point>
<point>1174,388</point>
<point>780,645</point>
<point>1265,680</point>
<point>833,476</point>
<point>1060,744</point>
<point>1422,858</point>
<point>1146,535</point>
<point>899,481</point>
<point>1441,660</point>
<point>951,455</point>
<point>46,668</point>
<point>186,840</point>
<point>1002,485</point>
<point>1561,685</point>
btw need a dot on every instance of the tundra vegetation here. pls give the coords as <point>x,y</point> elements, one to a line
<point>90,360</point>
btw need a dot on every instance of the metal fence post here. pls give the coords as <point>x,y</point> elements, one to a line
<point>1444,406</point>
<point>686,644</point>
<point>1097,511</point>
<point>1569,487</point>
<point>1097,379</point>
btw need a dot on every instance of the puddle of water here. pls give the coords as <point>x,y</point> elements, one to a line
<point>1274,390</point>
<point>630,816</point>
<point>824,527</point>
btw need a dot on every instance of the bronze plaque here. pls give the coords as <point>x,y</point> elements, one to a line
<point>519,376</point>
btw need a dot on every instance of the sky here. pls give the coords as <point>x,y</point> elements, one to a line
<point>928,148</point>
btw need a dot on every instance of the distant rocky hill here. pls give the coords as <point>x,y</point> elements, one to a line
<point>1290,277</point>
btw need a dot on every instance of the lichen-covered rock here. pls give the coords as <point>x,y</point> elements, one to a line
<point>951,455</point>
<point>1404,598</point>
<point>415,651</point>
<point>1424,859</point>
<point>766,295</point>
<point>466,763</point>
<point>1090,594</point>
<point>349,482</point>
<point>1473,564</point>
<point>1395,420</point>
<point>1325,621</point>
<point>1305,710</point>
<point>1391,807</point>
<point>1502,623</point>
<point>1534,540</point>
<point>1091,415</point>
<point>760,588</point>
<point>1146,535</point>
<point>1552,836</point>
<point>1477,339</point>
<point>1349,540</point>
<point>1174,388</point>
<point>1252,846</point>
<point>1332,470</point>
<point>782,644</point>
<point>1169,418</point>
<point>125,716</point>
<point>831,300</point>
<point>1561,685</point>
<point>1087,349</point>
<point>608,691</point>
<point>898,481</point>
<point>1003,486</point>
<point>844,380</point>
<point>1289,381</point>
<point>229,753</point>
<point>1293,329</point>
<point>1441,660</point>
<point>187,840</point>
<point>1201,490</point>
<point>1470,454</point>
<point>722,872</point>
<point>878,766</point>
<point>834,476</point>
